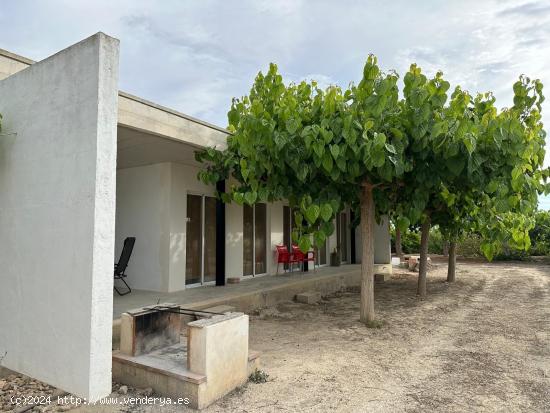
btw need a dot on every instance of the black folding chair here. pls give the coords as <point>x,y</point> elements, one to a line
<point>120,267</point>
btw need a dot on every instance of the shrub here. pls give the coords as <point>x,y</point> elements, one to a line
<point>258,376</point>
<point>469,246</point>
<point>540,234</point>
<point>436,241</point>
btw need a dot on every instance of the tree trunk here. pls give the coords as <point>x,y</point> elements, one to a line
<point>398,250</point>
<point>445,248</point>
<point>367,256</point>
<point>423,267</point>
<point>451,270</point>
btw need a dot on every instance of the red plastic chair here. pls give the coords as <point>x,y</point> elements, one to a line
<point>301,257</point>
<point>284,257</point>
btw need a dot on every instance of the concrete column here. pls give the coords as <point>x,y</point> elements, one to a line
<point>57,214</point>
<point>382,242</point>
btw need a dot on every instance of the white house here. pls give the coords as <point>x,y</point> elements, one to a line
<point>82,167</point>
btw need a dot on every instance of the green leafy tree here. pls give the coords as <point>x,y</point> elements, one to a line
<point>540,234</point>
<point>496,193</point>
<point>320,150</point>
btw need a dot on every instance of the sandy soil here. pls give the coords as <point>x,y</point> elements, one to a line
<point>480,344</point>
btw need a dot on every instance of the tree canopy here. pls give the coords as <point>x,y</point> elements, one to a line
<point>425,156</point>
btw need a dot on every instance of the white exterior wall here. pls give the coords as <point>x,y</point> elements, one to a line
<point>276,228</point>
<point>143,211</point>
<point>10,64</point>
<point>152,206</point>
<point>233,240</point>
<point>57,211</point>
<point>382,242</point>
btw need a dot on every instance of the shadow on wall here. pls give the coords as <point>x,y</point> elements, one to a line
<point>177,247</point>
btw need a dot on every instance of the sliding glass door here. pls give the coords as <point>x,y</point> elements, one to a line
<point>254,239</point>
<point>200,246</point>
<point>342,231</point>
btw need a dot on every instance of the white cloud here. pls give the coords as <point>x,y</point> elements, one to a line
<point>195,56</point>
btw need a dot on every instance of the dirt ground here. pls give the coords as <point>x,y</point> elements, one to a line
<point>480,344</point>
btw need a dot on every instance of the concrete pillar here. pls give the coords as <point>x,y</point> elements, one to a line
<point>382,242</point>
<point>57,203</point>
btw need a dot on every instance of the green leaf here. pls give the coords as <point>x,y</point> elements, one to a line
<point>368,125</point>
<point>487,250</point>
<point>238,197</point>
<point>319,238</point>
<point>455,165</point>
<point>263,194</point>
<point>250,197</point>
<point>380,140</point>
<point>327,162</point>
<point>327,228</point>
<point>326,212</point>
<point>390,148</point>
<point>304,243</point>
<point>312,213</point>
<point>335,150</point>
<point>298,219</point>
<point>292,126</point>
<point>319,149</point>
<point>403,223</point>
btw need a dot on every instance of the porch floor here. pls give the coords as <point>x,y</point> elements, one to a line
<point>249,294</point>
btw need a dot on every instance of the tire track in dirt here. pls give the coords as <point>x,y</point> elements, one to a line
<point>497,358</point>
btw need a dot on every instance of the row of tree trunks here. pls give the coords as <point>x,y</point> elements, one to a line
<point>367,258</point>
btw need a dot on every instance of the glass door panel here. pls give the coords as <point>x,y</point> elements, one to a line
<point>248,240</point>
<point>286,226</point>
<point>286,229</point>
<point>322,254</point>
<point>193,243</point>
<point>260,238</point>
<point>344,236</point>
<point>209,239</point>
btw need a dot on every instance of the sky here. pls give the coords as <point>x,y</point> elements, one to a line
<point>195,55</point>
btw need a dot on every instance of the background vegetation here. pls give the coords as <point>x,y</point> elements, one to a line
<point>470,245</point>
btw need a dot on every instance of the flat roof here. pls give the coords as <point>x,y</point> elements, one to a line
<point>126,95</point>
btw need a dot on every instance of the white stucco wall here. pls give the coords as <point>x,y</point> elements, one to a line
<point>382,242</point>
<point>233,240</point>
<point>276,234</point>
<point>11,63</point>
<point>57,186</point>
<point>143,211</point>
<point>152,206</point>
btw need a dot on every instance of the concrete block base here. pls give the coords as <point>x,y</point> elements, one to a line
<point>167,376</point>
<point>309,297</point>
<point>380,278</point>
<point>214,361</point>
